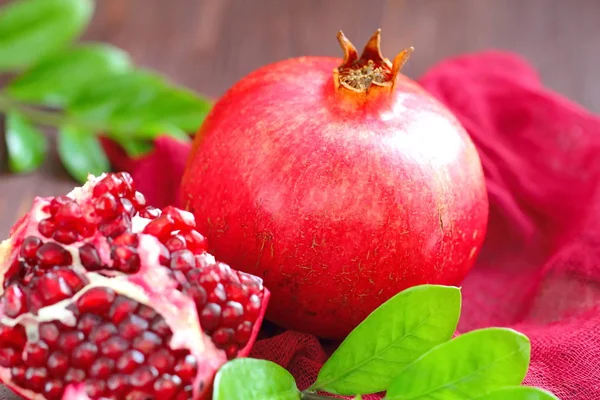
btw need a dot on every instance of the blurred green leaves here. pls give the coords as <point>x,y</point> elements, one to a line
<point>84,90</point>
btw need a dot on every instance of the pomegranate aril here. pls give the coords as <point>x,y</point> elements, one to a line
<point>218,294</point>
<point>58,364</point>
<point>52,288</point>
<point>127,207</point>
<point>97,300</point>
<point>53,390</point>
<point>186,368</point>
<point>252,308</point>
<point>13,336</point>
<point>161,227</point>
<point>49,333</point>
<point>36,378</point>
<point>35,354</point>
<point>183,220</point>
<point>69,340</point>
<point>160,326</point>
<point>88,322</point>
<point>129,361</point>
<point>117,385</point>
<point>243,333</point>
<point>195,241</point>
<point>102,332</point>
<point>74,375</point>
<point>143,377</point>
<point>65,236</point>
<point>95,388</point>
<point>102,368</point>
<point>116,227</point>
<point>126,239</point>
<point>121,308</point>
<point>150,212</point>
<point>18,374</point>
<point>114,346</point>
<point>132,326</point>
<point>138,200</point>
<point>222,336</point>
<point>147,342</point>
<point>198,294</point>
<point>126,259</point>
<point>13,301</point>
<point>47,227</point>
<point>231,350</point>
<point>210,317</point>
<point>57,202</point>
<point>231,314</point>
<point>52,254</point>
<point>9,357</point>
<point>182,260</point>
<point>167,386</point>
<point>29,247</point>
<point>146,312</point>
<point>74,279</point>
<point>236,292</point>
<point>106,206</point>
<point>162,360</point>
<point>84,354</point>
<point>175,243</point>
<point>89,257</point>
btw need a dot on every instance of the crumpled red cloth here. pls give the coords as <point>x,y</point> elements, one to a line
<point>539,270</point>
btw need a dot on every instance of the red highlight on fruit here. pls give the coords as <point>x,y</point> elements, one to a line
<point>340,183</point>
<point>102,295</point>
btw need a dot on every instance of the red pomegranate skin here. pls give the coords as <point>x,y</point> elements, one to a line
<point>338,200</point>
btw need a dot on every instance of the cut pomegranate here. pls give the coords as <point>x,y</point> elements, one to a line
<point>102,296</point>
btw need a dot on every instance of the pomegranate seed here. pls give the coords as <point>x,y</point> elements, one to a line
<point>195,241</point>
<point>74,279</point>
<point>84,354</point>
<point>53,288</point>
<point>182,260</point>
<point>164,257</point>
<point>209,279</point>
<point>51,254</point>
<point>36,378</point>
<point>69,340</point>
<point>218,294</point>
<point>121,308</point>
<point>46,227</point>
<point>118,385</point>
<point>13,301</point>
<point>182,219</point>
<point>18,374</point>
<point>132,326</point>
<point>89,257</point>
<point>143,377</point>
<point>100,188</point>
<point>161,227</point>
<point>68,214</point>
<point>146,312</point>
<point>97,300</point>
<point>243,332</point>
<point>162,360</point>
<point>58,363</point>
<point>106,206</point>
<point>116,227</point>
<point>102,332</point>
<point>102,368</point>
<point>9,357</point>
<point>13,336</point>
<point>126,259</point>
<point>232,314</point>
<point>87,322</point>
<point>53,390</point>
<point>74,375</point>
<point>167,386</point>
<point>126,239</point>
<point>198,294</point>
<point>210,317</point>
<point>150,213</point>
<point>147,342</point>
<point>252,308</point>
<point>65,236</point>
<point>231,351</point>
<point>139,201</point>
<point>29,247</point>
<point>127,207</point>
<point>35,354</point>
<point>175,243</point>
<point>58,202</point>
<point>159,325</point>
<point>49,333</point>
<point>95,388</point>
<point>236,292</point>
<point>186,368</point>
<point>129,361</point>
<point>222,336</point>
<point>114,346</point>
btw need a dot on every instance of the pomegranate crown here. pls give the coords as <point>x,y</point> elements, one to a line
<point>359,74</point>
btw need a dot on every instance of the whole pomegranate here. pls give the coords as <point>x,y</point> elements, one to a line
<point>340,183</point>
<point>102,296</point>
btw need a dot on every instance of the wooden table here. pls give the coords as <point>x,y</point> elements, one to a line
<point>209,44</point>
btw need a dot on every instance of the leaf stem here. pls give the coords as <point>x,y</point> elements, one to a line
<point>46,118</point>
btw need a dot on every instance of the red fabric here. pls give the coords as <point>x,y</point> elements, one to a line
<point>539,271</point>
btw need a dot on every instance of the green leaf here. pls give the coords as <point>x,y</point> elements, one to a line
<point>394,335</point>
<point>81,153</point>
<point>518,393</point>
<point>252,379</point>
<point>25,144</point>
<point>33,29</point>
<point>466,367</point>
<point>134,103</point>
<point>133,147</point>
<point>56,80</point>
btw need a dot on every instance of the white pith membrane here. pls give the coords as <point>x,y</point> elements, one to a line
<point>152,286</point>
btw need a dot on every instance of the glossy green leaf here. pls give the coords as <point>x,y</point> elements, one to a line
<point>33,29</point>
<point>518,393</point>
<point>133,147</point>
<point>25,144</point>
<point>56,80</point>
<point>136,102</point>
<point>81,153</point>
<point>466,367</point>
<point>252,379</point>
<point>394,335</point>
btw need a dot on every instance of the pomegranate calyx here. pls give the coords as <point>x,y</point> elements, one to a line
<point>359,74</point>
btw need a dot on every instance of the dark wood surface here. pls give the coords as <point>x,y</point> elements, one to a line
<point>209,44</point>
